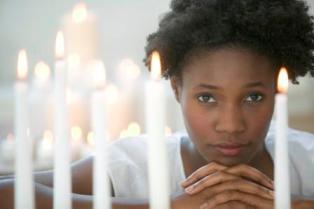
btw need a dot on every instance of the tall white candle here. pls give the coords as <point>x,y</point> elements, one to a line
<point>282,178</point>
<point>24,188</point>
<point>44,152</point>
<point>82,34</point>
<point>155,126</point>
<point>39,95</point>
<point>101,187</point>
<point>62,172</point>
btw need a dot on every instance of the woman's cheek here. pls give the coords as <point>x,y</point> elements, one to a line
<point>259,124</point>
<point>199,124</point>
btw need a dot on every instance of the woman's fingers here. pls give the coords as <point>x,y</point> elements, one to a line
<point>234,195</point>
<point>221,181</point>
<point>251,173</point>
<point>209,181</point>
<point>242,170</point>
<point>230,205</point>
<point>202,172</point>
<point>242,185</point>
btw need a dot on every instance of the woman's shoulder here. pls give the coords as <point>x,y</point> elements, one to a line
<point>135,148</point>
<point>295,137</point>
<point>128,156</point>
<point>301,155</point>
<point>301,143</point>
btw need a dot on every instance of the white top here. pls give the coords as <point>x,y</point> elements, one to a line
<point>128,164</point>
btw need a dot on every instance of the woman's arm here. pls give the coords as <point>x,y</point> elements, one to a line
<point>44,198</point>
<point>303,204</point>
<point>81,173</point>
<point>82,192</point>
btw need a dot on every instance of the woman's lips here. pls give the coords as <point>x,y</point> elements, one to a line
<point>230,150</point>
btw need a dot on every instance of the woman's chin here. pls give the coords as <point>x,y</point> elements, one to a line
<point>230,161</point>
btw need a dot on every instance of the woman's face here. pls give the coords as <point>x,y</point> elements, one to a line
<point>227,99</point>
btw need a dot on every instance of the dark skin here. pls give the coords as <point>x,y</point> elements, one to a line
<point>232,114</point>
<point>227,100</point>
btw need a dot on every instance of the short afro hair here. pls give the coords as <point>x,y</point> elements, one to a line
<point>282,30</point>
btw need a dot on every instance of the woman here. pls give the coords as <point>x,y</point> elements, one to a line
<point>222,58</point>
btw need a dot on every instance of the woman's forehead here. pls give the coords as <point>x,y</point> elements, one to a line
<point>227,65</point>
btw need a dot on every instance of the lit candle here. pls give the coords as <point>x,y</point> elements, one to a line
<point>127,74</point>
<point>168,131</point>
<point>282,179</point>
<point>76,142</point>
<point>42,75</point>
<point>45,149</point>
<point>77,108</point>
<point>82,34</point>
<point>62,172</point>
<point>89,145</point>
<point>39,95</point>
<point>24,190</point>
<point>101,187</point>
<point>134,129</point>
<point>155,122</point>
<point>117,109</point>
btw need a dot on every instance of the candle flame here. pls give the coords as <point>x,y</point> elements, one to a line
<point>59,45</point>
<point>99,73</point>
<point>79,13</point>
<point>134,129</point>
<point>168,131</point>
<point>283,80</point>
<point>76,133</point>
<point>155,66</point>
<point>48,139</point>
<point>129,68</point>
<point>22,65</point>
<point>90,139</point>
<point>42,71</point>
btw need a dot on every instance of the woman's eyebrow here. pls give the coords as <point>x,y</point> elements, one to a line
<point>254,84</point>
<point>207,86</point>
<point>248,85</point>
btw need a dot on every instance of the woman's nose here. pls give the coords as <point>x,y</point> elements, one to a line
<point>230,120</point>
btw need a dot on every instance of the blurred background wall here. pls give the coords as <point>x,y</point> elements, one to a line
<point>123,24</point>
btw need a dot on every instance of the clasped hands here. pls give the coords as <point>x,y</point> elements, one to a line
<point>220,187</point>
<point>215,186</point>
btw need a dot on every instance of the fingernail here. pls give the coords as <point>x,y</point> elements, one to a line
<point>272,182</point>
<point>204,206</point>
<point>272,193</point>
<point>189,189</point>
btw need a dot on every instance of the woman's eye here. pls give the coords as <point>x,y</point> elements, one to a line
<point>255,97</point>
<point>206,99</point>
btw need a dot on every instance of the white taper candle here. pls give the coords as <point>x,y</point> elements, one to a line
<point>62,172</point>
<point>282,177</point>
<point>24,188</point>
<point>101,186</point>
<point>155,126</point>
